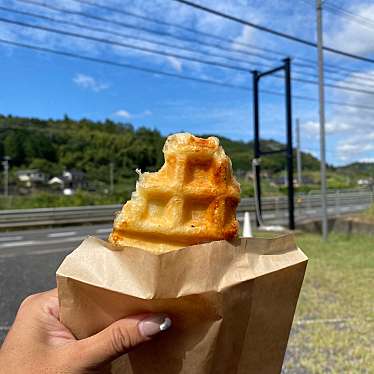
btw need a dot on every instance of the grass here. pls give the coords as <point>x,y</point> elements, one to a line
<point>369,213</point>
<point>333,330</point>
<point>49,200</point>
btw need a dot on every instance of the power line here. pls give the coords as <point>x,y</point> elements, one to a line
<point>272,31</point>
<point>115,33</point>
<point>308,63</point>
<point>167,54</point>
<point>123,45</point>
<point>219,46</point>
<point>180,27</point>
<point>333,8</point>
<point>151,31</point>
<point>173,75</point>
<point>120,64</point>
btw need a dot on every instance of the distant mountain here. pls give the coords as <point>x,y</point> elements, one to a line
<point>365,169</point>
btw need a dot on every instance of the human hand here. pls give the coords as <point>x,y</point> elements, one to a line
<point>39,343</point>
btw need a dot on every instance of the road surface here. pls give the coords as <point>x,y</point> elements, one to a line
<point>29,260</point>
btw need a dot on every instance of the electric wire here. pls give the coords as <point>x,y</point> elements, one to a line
<point>174,75</point>
<point>127,36</point>
<point>272,31</point>
<point>169,54</point>
<point>307,62</point>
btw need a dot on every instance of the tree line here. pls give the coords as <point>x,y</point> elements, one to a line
<point>90,146</point>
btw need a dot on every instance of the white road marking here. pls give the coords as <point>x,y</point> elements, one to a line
<point>42,242</point>
<point>103,231</point>
<point>9,238</point>
<point>36,253</point>
<point>61,234</point>
<point>17,244</point>
<point>4,328</point>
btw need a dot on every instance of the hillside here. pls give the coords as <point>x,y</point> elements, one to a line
<point>54,145</point>
<point>365,169</point>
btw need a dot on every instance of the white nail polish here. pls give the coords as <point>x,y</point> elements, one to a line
<point>166,324</point>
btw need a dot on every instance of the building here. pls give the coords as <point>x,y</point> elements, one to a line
<point>31,177</point>
<point>74,179</point>
<point>70,179</point>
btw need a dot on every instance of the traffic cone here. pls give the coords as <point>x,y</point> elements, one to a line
<point>247,229</point>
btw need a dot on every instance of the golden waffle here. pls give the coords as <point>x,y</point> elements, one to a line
<point>192,199</point>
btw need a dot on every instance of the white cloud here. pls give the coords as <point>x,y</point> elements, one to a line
<point>312,128</point>
<point>175,63</point>
<point>122,113</point>
<point>127,115</point>
<point>350,130</point>
<point>356,146</point>
<point>245,36</point>
<point>90,83</point>
<point>352,36</point>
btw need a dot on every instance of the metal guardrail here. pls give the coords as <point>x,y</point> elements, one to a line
<point>54,216</point>
<point>275,208</point>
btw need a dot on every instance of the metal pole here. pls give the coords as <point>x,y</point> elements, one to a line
<point>298,152</point>
<point>322,120</point>
<point>6,175</point>
<point>111,177</point>
<point>256,138</point>
<point>291,192</point>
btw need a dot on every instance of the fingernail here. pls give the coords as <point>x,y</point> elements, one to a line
<point>154,324</point>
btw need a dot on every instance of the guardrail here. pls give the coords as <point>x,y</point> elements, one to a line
<point>57,216</point>
<point>274,209</point>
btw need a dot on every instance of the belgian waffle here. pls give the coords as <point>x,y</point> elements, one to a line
<point>192,199</point>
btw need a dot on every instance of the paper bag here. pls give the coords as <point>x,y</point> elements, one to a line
<point>231,303</point>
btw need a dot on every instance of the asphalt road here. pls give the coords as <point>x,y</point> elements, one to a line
<point>29,260</point>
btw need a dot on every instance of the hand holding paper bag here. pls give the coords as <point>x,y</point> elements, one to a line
<point>39,343</point>
<point>232,304</point>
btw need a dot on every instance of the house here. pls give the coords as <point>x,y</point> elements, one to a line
<point>363,182</point>
<point>74,179</point>
<point>31,176</point>
<point>70,179</point>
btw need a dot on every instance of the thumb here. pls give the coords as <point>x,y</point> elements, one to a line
<point>119,338</point>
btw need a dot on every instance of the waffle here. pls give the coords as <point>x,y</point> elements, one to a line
<point>192,199</point>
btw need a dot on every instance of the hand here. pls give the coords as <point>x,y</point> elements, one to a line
<point>39,343</point>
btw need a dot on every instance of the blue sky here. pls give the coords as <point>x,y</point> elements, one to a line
<point>43,85</point>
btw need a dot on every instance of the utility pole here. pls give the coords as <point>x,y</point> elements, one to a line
<point>257,151</point>
<point>5,164</point>
<point>291,191</point>
<point>111,172</point>
<point>322,120</point>
<point>298,152</point>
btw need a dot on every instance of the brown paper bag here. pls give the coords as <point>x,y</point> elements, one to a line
<point>232,304</point>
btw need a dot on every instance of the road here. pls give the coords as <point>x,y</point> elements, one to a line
<point>29,260</point>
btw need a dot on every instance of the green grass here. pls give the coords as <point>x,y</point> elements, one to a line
<point>338,286</point>
<point>49,200</point>
<point>369,214</point>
